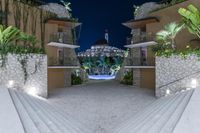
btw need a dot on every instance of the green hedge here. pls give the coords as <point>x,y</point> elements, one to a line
<point>128,78</point>
<point>76,80</point>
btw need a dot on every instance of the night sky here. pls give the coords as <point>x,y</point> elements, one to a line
<point>98,15</point>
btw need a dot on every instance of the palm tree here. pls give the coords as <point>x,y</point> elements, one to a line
<point>67,6</point>
<point>87,66</point>
<point>118,60</point>
<point>117,65</point>
<point>29,40</point>
<point>102,63</point>
<point>126,53</point>
<point>168,35</point>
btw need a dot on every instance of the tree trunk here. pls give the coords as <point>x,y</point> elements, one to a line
<point>173,44</point>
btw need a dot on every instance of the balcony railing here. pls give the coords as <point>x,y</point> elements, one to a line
<point>63,62</point>
<point>63,37</point>
<point>142,37</point>
<point>140,61</point>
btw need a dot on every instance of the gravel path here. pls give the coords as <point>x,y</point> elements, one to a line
<point>101,105</point>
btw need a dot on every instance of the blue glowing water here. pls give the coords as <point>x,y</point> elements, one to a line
<point>102,77</point>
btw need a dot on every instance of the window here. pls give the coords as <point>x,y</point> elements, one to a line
<point>60,56</point>
<point>144,56</point>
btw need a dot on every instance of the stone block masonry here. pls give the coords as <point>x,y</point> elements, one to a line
<point>136,77</point>
<point>27,73</point>
<point>175,74</point>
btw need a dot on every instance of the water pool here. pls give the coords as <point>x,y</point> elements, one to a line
<point>101,77</point>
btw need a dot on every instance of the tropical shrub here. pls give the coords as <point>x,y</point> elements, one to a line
<point>165,39</point>
<point>101,65</point>
<point>168,34</point>
<point>76,80</point>
<point>191,19</point>
<point>136,10</point>
<point>29,40</point>
<point>9,36</point>
<point>128,78</point>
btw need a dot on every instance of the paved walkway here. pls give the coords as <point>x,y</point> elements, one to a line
<point>102,105</point>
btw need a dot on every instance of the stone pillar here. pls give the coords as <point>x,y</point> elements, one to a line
<point>84,75</point>
<point>68,77</point>
<point>136,77</point>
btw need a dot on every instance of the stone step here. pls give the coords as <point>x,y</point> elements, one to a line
<point>39,123</point>
<point>142,123</point>
<point>10,121</point>
<point>174,119</point>
<point>43,114</point>
<point>64,124</point>
<point>27,122</point>
<point>159,117</point>
<point>146,111</point>
<point>59,111</point>
<point>141,116</point>
<point>159,120</point>
<point>58,122</point>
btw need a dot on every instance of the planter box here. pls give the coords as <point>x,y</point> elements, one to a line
<point>27,73</point>
<point>175,74</point>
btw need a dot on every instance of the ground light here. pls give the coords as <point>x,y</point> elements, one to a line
<point>10,84</point>
<point>168,92</point>
<point>32,91</point>
<point>194,83</point>
<point>188,89</point>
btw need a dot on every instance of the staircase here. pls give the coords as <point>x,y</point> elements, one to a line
<point>26,114</point>
<point>160,117</point>
<point>37,116</point>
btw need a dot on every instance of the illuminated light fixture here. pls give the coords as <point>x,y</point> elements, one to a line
<point>168,92</point>
<point>194,83</point>
<point>188,89</point>
<point>32,91</point>
<point>183,90</point>
<point>11,84</point>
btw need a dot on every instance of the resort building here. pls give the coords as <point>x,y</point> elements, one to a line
<point>104,106</point>
<point>102,48</point>
<point>141,59</point>
<point>147,22</point>
<point>102,59</point>
<point>55,31</point>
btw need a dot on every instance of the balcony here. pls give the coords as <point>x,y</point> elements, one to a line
<point>142,40</point>
<point>63,63</point>
<point>139,63</point>
<point>62,40</point>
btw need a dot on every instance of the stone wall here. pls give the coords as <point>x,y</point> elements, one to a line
<point>120,74</point>
<point>175,74</point>
<point>32,78</point>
